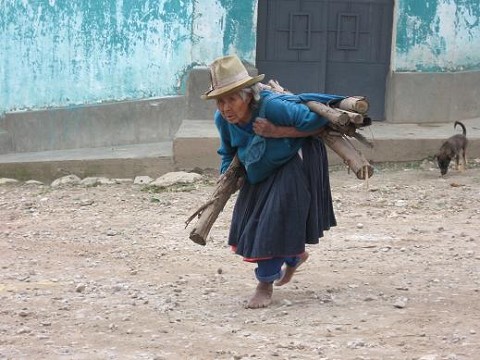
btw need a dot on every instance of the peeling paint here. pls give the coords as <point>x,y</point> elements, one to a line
<point>238,28</point>
<point>438,35</point>
<point>61,52</point>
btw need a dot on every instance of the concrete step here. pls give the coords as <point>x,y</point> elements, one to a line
<point>196,142</point>
<point>195,146</point>
<point>126,161</point>
<point>5,142</point>
<point>413,142</point>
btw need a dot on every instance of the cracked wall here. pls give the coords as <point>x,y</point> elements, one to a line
<point>437,35</point>
<point>63,53</point>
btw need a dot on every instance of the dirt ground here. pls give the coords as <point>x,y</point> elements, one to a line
<point>108,272</point>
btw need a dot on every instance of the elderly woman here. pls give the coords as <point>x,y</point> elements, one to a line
<point>285,201</point>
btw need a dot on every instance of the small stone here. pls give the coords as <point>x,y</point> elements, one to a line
<point>400,303</point>
<point>90,181</point>
<point>5,181</point>
<point>107,181</point>
<point>174,178</point>
<point>33,182</point>
<point>80,288</point>
<point>24,331</point>
<point>355,344</point>
<point>23,313</point>
<point>142,180</point>
<point>66,180</point>
<point>429,357</point>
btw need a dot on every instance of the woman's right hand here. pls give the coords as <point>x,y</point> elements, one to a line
<point>265,128</point>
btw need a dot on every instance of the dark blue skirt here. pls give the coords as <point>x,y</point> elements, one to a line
<point>289,209</point>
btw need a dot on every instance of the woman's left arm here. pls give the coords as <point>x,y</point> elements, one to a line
<point>285,118</point>
<point>267,129</point>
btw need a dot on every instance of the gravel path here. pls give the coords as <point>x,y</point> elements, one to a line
<point>108,272</point>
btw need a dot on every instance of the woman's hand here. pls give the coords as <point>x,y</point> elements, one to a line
<point>265,128</point>
<point>238,184</point>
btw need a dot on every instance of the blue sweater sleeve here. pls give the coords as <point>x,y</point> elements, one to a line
<point>226,151</point>
<point>283,112</point>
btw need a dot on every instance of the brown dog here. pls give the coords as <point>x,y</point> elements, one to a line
<point>454,147</point>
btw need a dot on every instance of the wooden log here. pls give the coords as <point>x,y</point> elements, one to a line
<point>335,116</point>
<point>274,85</point>
<point>351,156</point>
<point>208,212</point>
<point>349,129</point>
<point>357,104</point>
<point>353,117</point>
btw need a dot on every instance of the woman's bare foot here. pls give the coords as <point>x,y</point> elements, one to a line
<point>262,297</point>
<point>290,270</point>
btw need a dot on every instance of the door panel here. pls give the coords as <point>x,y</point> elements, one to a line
<point>332,46</point>
<point>284,44</point>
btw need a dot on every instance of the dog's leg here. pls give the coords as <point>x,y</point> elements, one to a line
<point>464,160</point>
<point>457,161</point>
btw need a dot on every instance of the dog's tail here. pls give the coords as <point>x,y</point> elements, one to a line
<point>463,127</point>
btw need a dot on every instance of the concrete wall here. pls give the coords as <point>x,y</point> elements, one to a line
<point>121,123</point>
<point>110,124</point>
<point>433,97</point>
<point>69,55</point>
<point>435,63</point>
<point>78,74</point>
<point>437,36</point>
<point>57,53</point>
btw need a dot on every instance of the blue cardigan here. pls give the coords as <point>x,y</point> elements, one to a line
<point>261,156</point>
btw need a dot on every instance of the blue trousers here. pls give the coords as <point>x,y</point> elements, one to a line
<point>270,270</point>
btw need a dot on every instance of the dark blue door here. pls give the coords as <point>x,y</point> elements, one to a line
<point>330,46</point>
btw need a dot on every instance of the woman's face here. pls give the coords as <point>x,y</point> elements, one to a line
<point>234,108</point>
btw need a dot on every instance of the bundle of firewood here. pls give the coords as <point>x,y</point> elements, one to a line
<point>345,118</point>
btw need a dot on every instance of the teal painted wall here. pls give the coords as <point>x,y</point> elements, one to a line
<point>59,52</point>
<point>63,52</point>
<point>437,35</point>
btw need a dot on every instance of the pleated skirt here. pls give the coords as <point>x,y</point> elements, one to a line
<point>289,209</point>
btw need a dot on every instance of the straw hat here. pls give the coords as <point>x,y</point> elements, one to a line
<point>228,75</point>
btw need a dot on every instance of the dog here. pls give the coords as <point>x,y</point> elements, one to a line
<point>454,147</point>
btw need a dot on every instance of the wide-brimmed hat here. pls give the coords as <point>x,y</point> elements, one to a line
<point>228,75</point>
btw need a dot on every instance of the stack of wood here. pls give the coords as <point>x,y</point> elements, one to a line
<point>345,118</point>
